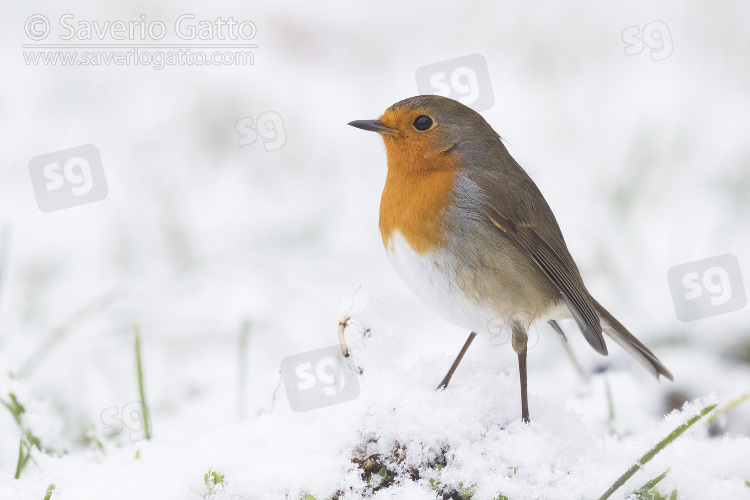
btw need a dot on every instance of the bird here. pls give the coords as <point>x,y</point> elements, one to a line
<point>472,236</point>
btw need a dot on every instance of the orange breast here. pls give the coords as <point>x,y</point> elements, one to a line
<point>415,200</point>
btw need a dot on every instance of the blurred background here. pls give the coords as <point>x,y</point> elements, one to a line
<point>232,251</point>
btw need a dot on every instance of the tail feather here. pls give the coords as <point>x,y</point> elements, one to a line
<point>614,329</point>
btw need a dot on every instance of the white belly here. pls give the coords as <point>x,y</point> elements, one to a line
<point>431,278</point>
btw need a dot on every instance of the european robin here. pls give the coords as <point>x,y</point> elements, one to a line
<point>472,236</point>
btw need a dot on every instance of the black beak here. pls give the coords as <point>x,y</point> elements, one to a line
<point>372,126</point>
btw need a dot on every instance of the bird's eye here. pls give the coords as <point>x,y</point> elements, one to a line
<point>423,122</point>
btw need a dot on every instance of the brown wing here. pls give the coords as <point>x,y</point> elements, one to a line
<point>515,206</point>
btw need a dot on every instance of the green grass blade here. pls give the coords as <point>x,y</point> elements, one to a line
<point>573,359</point>
<point>655,450</point>
<point>49,492</point>
<point>610,406</point>
<point>643,490</point>
<point>730,405</point>
<point>141,392</point>
<point>21,460</point>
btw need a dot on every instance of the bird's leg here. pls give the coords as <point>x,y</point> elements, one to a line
<point>460,356</point>
<point>520,341</point>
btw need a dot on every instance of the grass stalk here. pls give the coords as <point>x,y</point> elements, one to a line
<point>28,440</point>
<point>273,400</point>
<point>21,459</point>
<point>141,392</point>
<point>574,359</point>
<point>242,370</point>
<point>650,454</point>
<point>610,406</point>
<point>725,408</point>
<point>643,490</point>
<point>49,492</point>
<point>62,330</point>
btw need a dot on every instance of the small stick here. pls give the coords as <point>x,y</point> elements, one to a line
<point>273,400</point>
<point>343,322</point>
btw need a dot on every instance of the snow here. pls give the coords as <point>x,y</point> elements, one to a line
<point>472,428</point>
<point>644,163</point>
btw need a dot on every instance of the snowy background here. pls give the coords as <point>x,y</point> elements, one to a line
<point>231,258</point>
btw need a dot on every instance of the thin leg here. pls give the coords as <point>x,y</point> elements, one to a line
<point>460,356</point>
<point>520,341</point>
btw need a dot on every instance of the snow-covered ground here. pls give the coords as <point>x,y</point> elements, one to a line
<point>230,258</point>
